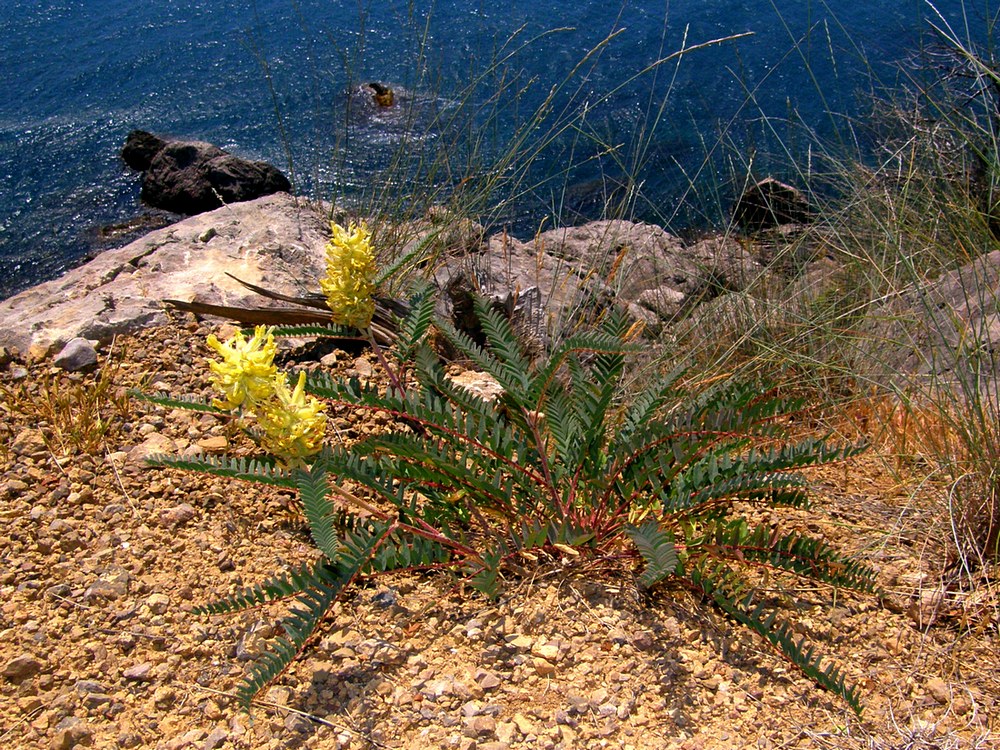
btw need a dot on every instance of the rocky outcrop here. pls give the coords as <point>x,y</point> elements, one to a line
<point>944,333</point>
<point>566,276</point>
<point>190,177</point>
<point>276,241</point>
<point>559,278</point>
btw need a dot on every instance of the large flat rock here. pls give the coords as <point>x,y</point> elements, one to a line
<point>276,241</point>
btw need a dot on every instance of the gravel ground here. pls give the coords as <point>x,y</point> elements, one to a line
<point>102,559</point>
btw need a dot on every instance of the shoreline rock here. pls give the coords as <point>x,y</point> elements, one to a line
<point>275,241</point>
<point>278,242</point>
<point>191,177</point>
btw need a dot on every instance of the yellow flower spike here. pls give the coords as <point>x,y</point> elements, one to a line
<point>293,423</point>
<point>247,370</point>
<point>350,273</point>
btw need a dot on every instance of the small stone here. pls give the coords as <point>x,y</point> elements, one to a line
<point>643,640</point>
<point>158,603</point>
<point>472,708</point>
<point>363,367</point>
<point>16,487</point>
<point>176,516</point>
<point>543,667</point>
<point>216,738</point>
<point>520,642</point>
<point>578,703</point>
<point>88,686</point>
<point>208,234</point>
<point>938,690</point>
<point>185,740</point>
<point>164,697</point>
<point>28,442</point>
<point>524,725</point>
<point>213,443</point>
<point>547,651</point>
<point>599,696</point>
<point>112,584</point>
<point>79,355</point>
<point>563,717</point>
<point>96,700</point>
<point>298,724</point>
<point>154,444</point>
<point>480,726</point>
<point>139,672</point>
<point>71,732</point>
<point>507,732</point>
<point>487,680</point>
<point>568,735</point>
<point>22,667</point>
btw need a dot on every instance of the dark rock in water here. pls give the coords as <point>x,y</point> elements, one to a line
<point>770,204</point>
<point>382,95</point>
<point>190,177</point>
<point>140,148</point>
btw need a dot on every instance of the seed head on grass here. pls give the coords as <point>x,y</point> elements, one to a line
<point>350,273</point>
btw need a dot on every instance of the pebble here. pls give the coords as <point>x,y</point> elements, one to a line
<point>21,667</point>
<point>213,444</point>
<point>158,603</point>
<point>543,667</point>
<point>71,732</point>
<point>487,680</point>
<point>480,726</point>
<point>938,690</point>
<point>216,739</point>
<point>176,516</point>
<point>139,672</point>
<point>28,442</point>
<point>79,355</point>
<point>113,584</point>
<point>547,651</point>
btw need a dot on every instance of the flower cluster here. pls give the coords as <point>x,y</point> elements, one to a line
<point>350,273</point>
<point>247,370</point>
<point>293,424</point>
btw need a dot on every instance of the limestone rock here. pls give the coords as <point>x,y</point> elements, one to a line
<point>276,241</point>
<point>571,275</point>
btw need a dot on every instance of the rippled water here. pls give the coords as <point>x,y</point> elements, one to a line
<point>79,74</point>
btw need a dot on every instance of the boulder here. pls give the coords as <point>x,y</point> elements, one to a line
<point>276,241</point>
<point>946,332</point>
<point>770,204</point>
<point>190,177</point>
<point>565,277</point>
<point>140,148</point>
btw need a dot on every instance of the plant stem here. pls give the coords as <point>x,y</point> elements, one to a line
<point>396,385</point>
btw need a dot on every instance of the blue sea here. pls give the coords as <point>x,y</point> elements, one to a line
<point>273,80</point>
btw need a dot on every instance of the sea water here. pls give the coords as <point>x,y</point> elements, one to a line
<point>273,80</point>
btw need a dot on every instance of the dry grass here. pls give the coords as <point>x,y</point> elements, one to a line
<point>75,413</point>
